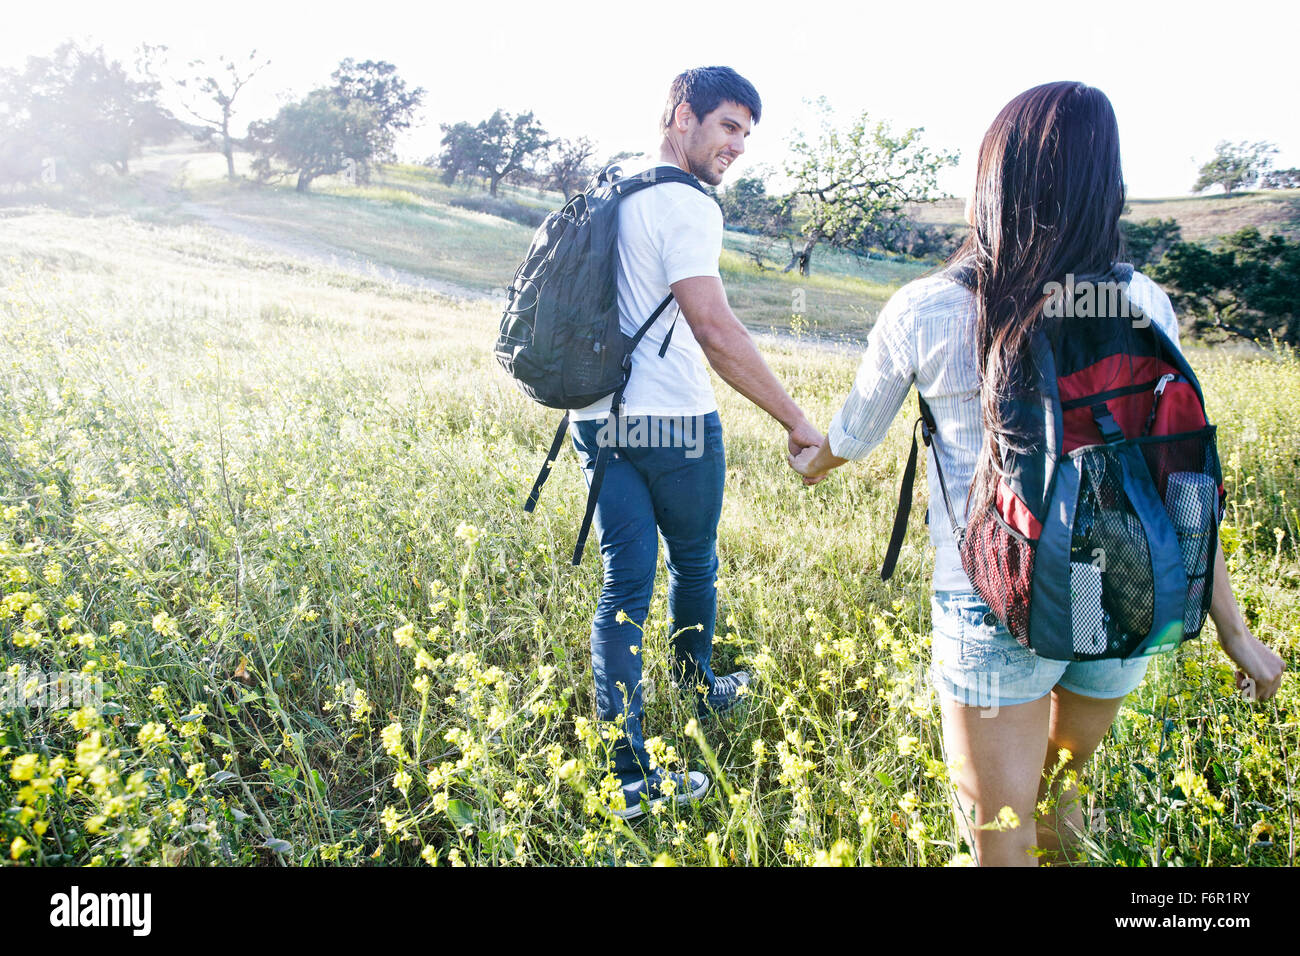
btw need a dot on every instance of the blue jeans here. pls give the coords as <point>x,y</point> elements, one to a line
<point>665,480</point>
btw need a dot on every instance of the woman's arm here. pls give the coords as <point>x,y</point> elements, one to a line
<point>884,377</point>
<point>1259,669</point>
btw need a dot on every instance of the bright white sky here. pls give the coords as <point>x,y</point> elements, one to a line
<point>1181,76</point>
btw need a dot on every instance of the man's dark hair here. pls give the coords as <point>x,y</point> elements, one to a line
<point>705,87</point>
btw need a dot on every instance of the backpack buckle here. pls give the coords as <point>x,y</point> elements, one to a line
<point>1106,424</point>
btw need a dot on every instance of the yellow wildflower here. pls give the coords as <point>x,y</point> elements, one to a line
<point>24,768</point>
<point>392,738</point>
<point>151,734</point>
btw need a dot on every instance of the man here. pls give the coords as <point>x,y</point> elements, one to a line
<point>666,475</point>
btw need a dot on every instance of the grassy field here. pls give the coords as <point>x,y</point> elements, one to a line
<point>275,508</point>
<point>406,219</point>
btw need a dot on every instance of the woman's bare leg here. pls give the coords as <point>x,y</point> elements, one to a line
<point>1000,754</point>
<point>1078,724</point>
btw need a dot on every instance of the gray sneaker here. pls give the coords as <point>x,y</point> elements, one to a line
<point>727,693</point>
<point>645,794</point>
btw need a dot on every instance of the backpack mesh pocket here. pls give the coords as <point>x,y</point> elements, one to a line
<point>1186,471</point>
<point>1000,564</point>
<point>1108,533</point>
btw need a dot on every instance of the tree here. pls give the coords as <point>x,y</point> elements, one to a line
<point>462,151</point>
<point>22,151</point>
<point>1147,241</point>
<point>1281,179</point>
<point>497,147</point>
<point>376,84</point>
<point>221,92</point>
<point>314,137</point>
<point>508,143</point>
<point>569,165</point>
<point>1249,286</point>
<point>849,181</point>
<point>906,236</point>
<point>746,206</point>
<point>76,110</point>
<point>1235,165</point>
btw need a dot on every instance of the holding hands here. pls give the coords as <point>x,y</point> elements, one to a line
<point>807,445</point>
<point>803,464</point>
<point>810,454</point>
<point>802,436</point>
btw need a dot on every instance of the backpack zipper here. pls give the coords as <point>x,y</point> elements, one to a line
<point>1089,400</point>
<point>1155,403</point>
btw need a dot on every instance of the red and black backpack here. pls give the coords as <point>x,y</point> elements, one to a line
<point>1102,537</point>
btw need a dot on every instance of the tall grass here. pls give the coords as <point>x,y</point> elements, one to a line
<point>276,512</point>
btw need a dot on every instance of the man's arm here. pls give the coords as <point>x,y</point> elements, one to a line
<point>733,355</point>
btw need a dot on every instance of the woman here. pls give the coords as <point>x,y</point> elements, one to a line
<point>1047,202</point>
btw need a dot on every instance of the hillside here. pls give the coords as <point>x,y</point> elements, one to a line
<point>407,224</point>
<point>1200,217</point>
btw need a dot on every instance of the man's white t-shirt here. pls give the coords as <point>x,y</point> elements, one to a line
<point>666,232</point>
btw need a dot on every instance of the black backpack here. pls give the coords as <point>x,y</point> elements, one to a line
<point>560,337</point>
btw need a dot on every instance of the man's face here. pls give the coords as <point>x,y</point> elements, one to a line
<point>715,142</point>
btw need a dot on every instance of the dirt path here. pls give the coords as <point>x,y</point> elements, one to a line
<point>161,187</point>
<point>342,260</point>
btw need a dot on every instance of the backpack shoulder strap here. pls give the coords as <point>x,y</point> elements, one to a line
<point>630,184</point>
<point>962,273</point>
<point>929,433</point>
<point>626,185</point>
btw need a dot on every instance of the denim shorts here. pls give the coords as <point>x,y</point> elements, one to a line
<point>976,661</point>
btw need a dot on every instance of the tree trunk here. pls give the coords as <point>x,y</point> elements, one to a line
<point>802,258</point>
<point>304,180</point>
<point>492,187</point>
<point>227,147</point>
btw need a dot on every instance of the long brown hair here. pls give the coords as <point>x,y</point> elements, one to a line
<point>1047,202</point>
